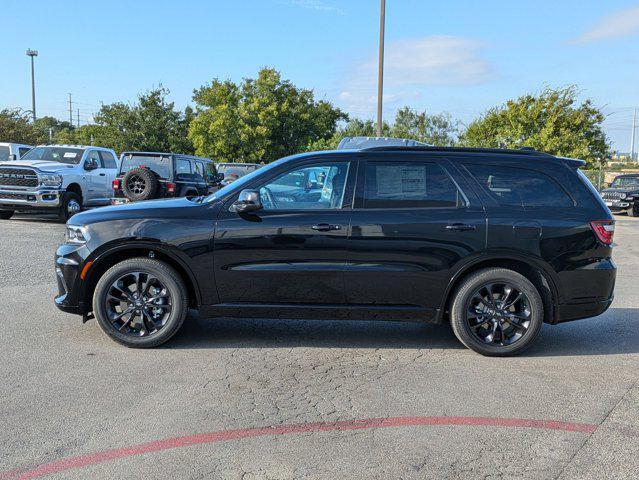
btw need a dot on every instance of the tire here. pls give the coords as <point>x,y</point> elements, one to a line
<point>70,205</point>
<point>528,306</point>
<point>130,329</point>
<point>633,211</point>
<point>6,214</point>
<point>140,184</point>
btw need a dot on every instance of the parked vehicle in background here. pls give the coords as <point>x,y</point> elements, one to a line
<point>354,143</point>
<point>152,175</point>
<point>232,171</point>
<point>495,242</point>
<point>623,195</point>
<point>61,178</point>
<point>13,151</point>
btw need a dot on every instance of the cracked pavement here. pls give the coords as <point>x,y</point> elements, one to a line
<point>66,390</point>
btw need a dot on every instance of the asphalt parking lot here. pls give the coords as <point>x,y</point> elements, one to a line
<point>259,399</point>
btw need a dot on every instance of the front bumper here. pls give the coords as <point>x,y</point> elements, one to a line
<point>68,263</point>
<point>42,198</point>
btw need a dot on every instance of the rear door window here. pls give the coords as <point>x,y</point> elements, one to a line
<point>108,159</point>
<point>512,186</point>
<point>413,184</point>
<point>182,169</point>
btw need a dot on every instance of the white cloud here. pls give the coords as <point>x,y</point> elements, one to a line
<point>411,65</point>
<point>317,5</point>
<point>619,24</point>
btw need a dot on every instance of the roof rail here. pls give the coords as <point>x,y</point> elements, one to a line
<point>522,151</point>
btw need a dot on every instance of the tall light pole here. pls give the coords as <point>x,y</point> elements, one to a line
<point>632,135</point>
<point>32,54</point>
<point>380,75</point>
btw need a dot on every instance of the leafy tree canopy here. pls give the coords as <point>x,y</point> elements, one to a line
<point>552,122</point>
<point>259,119</point>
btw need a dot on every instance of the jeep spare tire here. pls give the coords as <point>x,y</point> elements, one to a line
<point>140,184</point>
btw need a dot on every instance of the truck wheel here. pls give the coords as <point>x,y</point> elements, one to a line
<point>140,184</point>
<point>70,205</point>
<point>140,302</point>
<point>633,211</point>
<point>6,214</point>
<point>497,312</point>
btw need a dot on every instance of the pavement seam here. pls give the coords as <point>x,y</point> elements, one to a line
<point>589,437</point>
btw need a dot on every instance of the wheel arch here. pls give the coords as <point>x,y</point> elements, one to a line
<point>112,255</point>
<point>532,269</point>
<point>75,187</point>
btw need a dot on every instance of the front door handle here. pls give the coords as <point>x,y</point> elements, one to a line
<point>460,227</point>
<point>326,227</point>
<point>103,174</point>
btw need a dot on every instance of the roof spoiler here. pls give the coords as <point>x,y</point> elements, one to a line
<point>573,162</point>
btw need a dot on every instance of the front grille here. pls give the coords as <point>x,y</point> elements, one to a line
<point>612,195</point>
<point>13,196</point>
<point>18,177</point>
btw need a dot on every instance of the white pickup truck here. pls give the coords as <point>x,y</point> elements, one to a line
<point>13,151</point>
<point>60,178</point>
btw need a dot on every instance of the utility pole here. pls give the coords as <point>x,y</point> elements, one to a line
<point>632,135</point>
<point>70,111</point>
<point>78,117</point>
<point>32,54</point>
<point>380,75</point>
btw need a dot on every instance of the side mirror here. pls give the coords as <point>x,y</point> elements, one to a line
<point>248,201</point>
<point>90,164</point>
<point>220,177</point>
<point>12,157</point>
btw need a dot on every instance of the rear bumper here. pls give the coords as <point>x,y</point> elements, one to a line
<point>579,311</point>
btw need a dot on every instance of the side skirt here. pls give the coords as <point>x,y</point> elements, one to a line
<point>400,313</point>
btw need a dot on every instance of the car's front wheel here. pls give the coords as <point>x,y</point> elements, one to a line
<point>633,211</point>
<point>497,312</point>
<point>140,302</point>
<point>70,204</point>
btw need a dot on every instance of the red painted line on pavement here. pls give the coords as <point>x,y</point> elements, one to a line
<point>226,435</point>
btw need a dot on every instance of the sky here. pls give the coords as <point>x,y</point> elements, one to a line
<point>458,56</point>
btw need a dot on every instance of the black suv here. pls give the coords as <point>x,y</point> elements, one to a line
<point>623,195</point>
<point>151,175</point>
<point>495,242</point>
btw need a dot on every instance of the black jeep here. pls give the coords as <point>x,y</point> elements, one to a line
<point>623,195</point>
<point>151,175</point>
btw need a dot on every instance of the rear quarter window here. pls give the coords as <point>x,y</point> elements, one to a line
<point>512,186</point>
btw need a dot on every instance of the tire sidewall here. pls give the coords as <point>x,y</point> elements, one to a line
<point>171,280</point>
<point>463,295</point>
<point>67,198</point>
<point>6,214</point>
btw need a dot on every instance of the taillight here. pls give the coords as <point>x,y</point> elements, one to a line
<point>604,229</point>
<point>116,184</point>
<point>170,187</point>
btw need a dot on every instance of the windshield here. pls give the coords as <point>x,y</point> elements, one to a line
<point>71,156</point>
<point>159,164</point>
<point>620,182</point>
<point>4,153</point>
<point>239,184</point>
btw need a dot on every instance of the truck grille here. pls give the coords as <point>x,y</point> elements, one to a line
<point>18,177</point>
<point>13,196</point>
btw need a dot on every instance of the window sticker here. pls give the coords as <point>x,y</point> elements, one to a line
<point>401,180</point>
<point>70,154</point>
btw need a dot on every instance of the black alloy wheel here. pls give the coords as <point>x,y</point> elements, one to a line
<point>497,312</point>
<point>140,302</point>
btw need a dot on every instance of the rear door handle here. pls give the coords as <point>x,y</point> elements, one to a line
<point>326,227</point>
<point>460,227</point>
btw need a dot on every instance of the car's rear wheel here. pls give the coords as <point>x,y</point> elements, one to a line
<point>6,214</point>
<point>497,312</point>
<point>140,302</point>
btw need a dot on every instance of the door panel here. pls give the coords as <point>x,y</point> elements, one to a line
<point>294,249</point>
<point>405,252</point>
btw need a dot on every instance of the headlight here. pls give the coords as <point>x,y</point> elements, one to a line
<point>77,235</point>
<point>50,180</point>
<point>623,196</point>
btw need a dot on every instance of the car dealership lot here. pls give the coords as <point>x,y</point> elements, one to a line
<point>70,395</point>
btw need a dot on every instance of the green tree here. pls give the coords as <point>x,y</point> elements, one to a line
<point>552,121</point>
<point>439,129</point>
<point>151,124</point>
<point>15,127</point>
<point>259,119</point>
